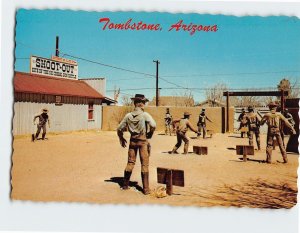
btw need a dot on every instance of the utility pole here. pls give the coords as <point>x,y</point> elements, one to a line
<point>57,46</point>
<point>157,94</point>
<point>227,111</point>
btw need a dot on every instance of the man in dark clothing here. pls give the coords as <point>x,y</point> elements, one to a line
<point>243,121</point>
<point>253,123</point>
<point>289,117</point>
<point>43,119</point>
<point>202,123</point>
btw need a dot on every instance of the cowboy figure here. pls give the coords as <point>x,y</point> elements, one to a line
<point>168,122</point>
<point>202,123</point>
<point>243,121</point>
<point>137,122</point>
<point>43,119</point>
<point>253,123</point>
<point>274,120</point>
<point>182,127</point>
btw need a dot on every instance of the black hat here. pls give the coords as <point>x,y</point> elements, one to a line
<point>139,97</point>
<point>272,105</point>
<point>250,108</point>
<point>186,114</point>
<point>203,109</point>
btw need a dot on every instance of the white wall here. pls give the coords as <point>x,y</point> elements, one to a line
<point>99,84</point>
<point>67,117</point>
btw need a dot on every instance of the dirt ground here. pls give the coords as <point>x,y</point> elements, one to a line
<point>88,167</point>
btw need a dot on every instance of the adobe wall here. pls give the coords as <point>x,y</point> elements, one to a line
<point>112,115</point>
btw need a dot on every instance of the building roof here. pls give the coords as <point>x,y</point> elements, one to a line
<point>32,83</point>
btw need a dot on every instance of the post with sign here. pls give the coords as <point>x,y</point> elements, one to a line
<point>244,150</point>
<point>200,150</point>
<point>170,177</point>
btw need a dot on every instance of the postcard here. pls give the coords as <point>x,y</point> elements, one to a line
<point>178,109</point>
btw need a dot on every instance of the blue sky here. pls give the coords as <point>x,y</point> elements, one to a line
<point>245,52</point>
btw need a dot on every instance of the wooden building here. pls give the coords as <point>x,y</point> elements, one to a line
<point>72,104</point>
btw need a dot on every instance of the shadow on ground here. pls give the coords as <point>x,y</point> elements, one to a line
<point>254,160</point>
<point>234,136</point>
<point>119,181</point>
<point>255,194</point>
<point>231,148</point>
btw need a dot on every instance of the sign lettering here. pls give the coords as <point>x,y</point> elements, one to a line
<point>48,67</point>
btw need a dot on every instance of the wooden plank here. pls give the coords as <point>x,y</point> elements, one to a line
<point>254,93</point>
<point>177,176</point>
<point>244,149</point>
<point>169,182</point>
<point>200,150</point>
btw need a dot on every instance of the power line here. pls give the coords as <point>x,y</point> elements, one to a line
<point>161,77</point>
<point>231,74</point>
<point>31,47</point>
<point>111,66</point>
<point>123,93</point>
<point>125,79</point>
<point>136,89</point>
<point>204,89</point>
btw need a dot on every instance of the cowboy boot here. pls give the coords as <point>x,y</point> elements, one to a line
<point>145,180</point>
<point>126,179</point>
<point>285,159</point>
<point>186,148</point>
<point>258,146</point>
<point>269,155</point>
<point>174,151</point>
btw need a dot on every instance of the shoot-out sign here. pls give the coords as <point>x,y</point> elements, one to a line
<point>54,67</point>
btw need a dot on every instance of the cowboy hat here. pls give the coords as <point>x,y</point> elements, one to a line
<point>45,110</point>
<point>250,108</point>
<point>139,97</point>
<point>186,114</point>
<point>272,104</point>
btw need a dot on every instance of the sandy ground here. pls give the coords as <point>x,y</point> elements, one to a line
<point>88,167</point>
